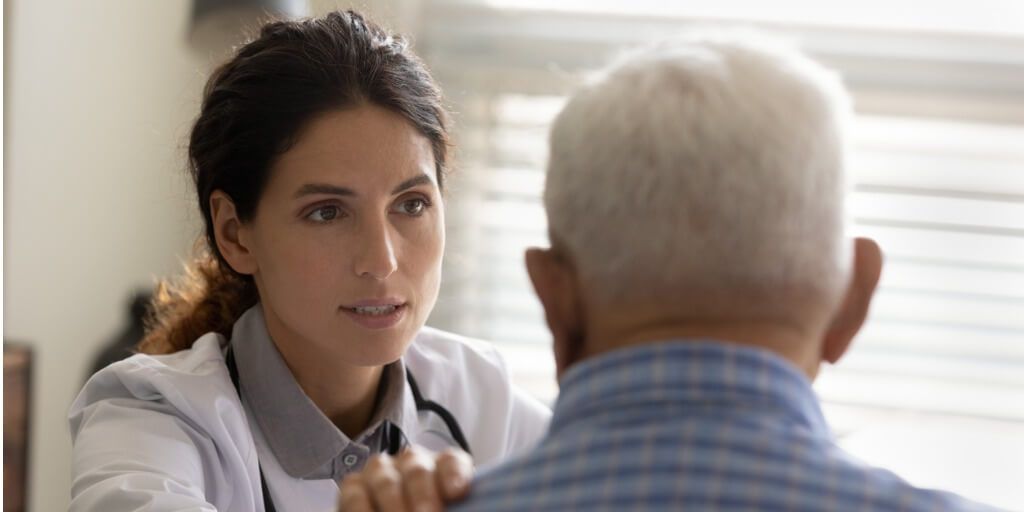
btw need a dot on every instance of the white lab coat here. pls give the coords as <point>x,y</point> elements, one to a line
<point>162,433</point>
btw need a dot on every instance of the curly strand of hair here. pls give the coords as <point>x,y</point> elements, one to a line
<point>206,298</point>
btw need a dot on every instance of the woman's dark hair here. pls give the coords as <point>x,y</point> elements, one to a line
<point>254,108</point>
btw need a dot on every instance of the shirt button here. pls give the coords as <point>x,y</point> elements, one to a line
<point>350,460</point>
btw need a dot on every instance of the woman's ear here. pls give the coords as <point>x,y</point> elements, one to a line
<point>231,235</point>
<point>867,268</point>
<point>555,282</point>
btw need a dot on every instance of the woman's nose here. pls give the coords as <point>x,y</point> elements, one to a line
<point>376,256</point>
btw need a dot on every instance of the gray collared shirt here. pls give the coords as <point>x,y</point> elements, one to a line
<point>304,441</point>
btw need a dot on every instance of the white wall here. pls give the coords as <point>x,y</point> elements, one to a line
<point>99,95</point>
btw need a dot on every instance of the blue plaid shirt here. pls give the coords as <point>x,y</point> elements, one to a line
<point>693,426</point>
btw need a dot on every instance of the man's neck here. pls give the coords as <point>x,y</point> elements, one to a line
<point>612,330</point>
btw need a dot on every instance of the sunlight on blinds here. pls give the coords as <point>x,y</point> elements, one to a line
<point>944,199</point>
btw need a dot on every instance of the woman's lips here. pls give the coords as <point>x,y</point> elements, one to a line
<point>376,314</point>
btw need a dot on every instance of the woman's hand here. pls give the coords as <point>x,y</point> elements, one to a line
<point>416,480</point>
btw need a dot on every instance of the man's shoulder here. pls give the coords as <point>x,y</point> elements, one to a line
<point>884,490</point>
<point>674,466</point>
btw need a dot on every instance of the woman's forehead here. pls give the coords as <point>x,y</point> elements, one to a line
<point>365,146</point>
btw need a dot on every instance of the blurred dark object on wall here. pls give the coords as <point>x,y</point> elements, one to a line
<point>218,25</point>
<point>17,409</point>
<point>123,344</point>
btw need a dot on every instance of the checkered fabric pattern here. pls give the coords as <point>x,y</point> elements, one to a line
<point>693,425</point>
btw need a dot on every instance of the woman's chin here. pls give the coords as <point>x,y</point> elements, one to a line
<point>376,349</point>
<point>375,358</point>
<point>375,346</point>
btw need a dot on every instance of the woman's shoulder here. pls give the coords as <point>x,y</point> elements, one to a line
<point>184,380</point>
<point>152,419</point>
<point>469,377</point>
<point>442,349</point>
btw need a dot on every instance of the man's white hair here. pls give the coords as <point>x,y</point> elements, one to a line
<point>708,168</point>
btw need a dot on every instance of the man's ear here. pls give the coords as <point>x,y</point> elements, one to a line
<point>555,282</point>
<point>231,236</point>
<point>848,319</point>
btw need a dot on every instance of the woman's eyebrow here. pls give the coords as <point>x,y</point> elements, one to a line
<point>323,188</point>
<point>412,182</point>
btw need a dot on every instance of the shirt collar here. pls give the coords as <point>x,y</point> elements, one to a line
<point>305,442</point>
<point>694,375</point>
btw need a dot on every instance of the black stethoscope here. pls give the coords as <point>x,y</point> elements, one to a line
<point>392,440</point>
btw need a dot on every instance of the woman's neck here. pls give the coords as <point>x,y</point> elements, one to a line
<point>346,394</point>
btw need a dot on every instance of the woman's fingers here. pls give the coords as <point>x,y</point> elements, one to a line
<point>417,480</point>
<point>385,483</point>
<point>416,465</point>
<point>354,495</point>
<point>454,474</point>
<point>377,487</point>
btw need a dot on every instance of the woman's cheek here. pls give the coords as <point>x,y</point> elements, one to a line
<point>429,251</point>
<point>426,240</point>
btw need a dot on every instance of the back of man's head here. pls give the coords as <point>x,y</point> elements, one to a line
<point>702,167</point>
<point>705,174</point>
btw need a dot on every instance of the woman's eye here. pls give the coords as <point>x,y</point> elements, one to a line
<point>414,207</point>
<point>324,214</point>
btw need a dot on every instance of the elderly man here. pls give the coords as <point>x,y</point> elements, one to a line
<point>698,277</point>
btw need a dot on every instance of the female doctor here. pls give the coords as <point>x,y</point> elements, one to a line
<point>294,348</point>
